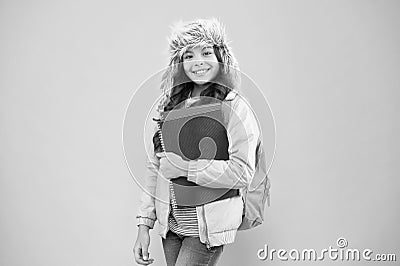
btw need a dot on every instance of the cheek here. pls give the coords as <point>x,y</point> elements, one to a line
<point>215,68</point>
<point>215,64</point>
<point>186,68</point>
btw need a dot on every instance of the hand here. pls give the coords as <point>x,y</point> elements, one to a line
<point>141,247</point>
<point>172,165</point>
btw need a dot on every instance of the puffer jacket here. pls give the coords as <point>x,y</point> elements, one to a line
<point>218,221</point>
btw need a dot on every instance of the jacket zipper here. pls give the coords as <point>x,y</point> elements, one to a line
<point>169,209</point>
<point>205,225</point>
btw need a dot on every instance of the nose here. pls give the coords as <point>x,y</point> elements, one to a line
<point>199,62</point>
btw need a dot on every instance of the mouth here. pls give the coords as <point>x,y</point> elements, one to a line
<point>201,72</point>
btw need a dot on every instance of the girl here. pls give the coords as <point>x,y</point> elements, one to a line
<point>201,64</point>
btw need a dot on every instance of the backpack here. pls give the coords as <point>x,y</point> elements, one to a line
<point>257,193</point>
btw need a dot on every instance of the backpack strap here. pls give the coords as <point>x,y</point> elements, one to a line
<point>227,106</point>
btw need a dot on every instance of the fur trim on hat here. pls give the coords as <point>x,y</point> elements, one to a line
<point>195,33</point>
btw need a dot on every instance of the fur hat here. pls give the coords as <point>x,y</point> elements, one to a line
<point>190,34</point>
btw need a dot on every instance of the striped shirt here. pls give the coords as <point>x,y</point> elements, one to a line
<point>182,219</point>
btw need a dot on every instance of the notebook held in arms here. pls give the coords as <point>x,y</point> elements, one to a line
<point>197,132</point>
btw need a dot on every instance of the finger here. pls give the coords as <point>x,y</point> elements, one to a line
<point>145,255</point>
<point>137,252</point>
<point>160,154</point>
<point>145,252</point>
<point>139,259</point>
<point>144,262</point>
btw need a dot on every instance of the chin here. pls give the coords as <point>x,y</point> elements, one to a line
<point>200,82</point>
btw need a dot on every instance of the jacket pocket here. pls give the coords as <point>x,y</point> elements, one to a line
<point>223,215</point>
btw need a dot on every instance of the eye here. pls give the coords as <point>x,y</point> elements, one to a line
<point>186,57</point>
<point>208,53</point>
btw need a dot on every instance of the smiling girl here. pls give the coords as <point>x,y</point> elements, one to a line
<point>201,65</point>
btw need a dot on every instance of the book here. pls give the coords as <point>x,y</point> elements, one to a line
<point>193,133</point>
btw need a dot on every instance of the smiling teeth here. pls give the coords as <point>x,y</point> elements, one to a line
<point>200,71</point>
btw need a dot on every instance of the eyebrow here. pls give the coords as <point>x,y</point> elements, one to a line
<point>205,47</point>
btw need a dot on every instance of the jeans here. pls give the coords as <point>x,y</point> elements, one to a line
<point>186,250</point>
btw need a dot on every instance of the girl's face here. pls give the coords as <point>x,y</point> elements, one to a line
<point>200,64</point>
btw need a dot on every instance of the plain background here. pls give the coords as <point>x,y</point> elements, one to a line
<point>329,69</point>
